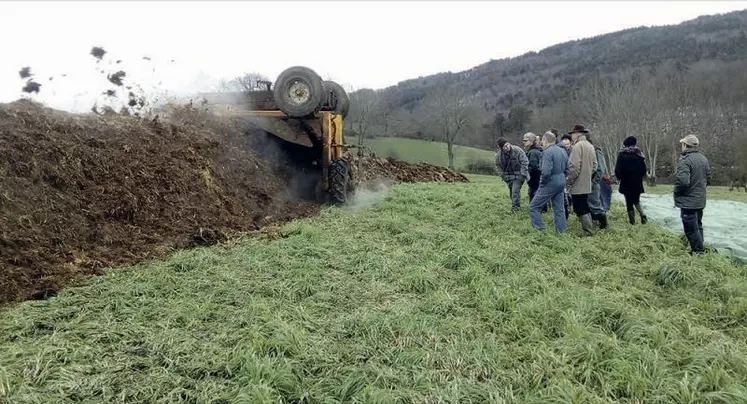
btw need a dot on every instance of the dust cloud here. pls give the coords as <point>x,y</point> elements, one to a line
<point>369,196</point>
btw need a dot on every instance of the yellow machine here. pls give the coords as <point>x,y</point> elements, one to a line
<point>303,115</point>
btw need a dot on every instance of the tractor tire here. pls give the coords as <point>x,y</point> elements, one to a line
<point>341,182</point>
<point>298,92</point>
<point>337,99</point>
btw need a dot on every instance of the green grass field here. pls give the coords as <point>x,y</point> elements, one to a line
<point>415,151</point>
<point>435,295</point>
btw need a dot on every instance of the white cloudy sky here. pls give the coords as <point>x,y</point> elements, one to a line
<point>359,44</point>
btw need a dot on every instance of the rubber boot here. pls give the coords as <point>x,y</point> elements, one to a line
<point>631,216</point>
<point>602,221</point>
<point>644,219</point>
<point>587,224</point>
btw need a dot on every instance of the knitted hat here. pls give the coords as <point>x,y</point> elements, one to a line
<point>630,141</point>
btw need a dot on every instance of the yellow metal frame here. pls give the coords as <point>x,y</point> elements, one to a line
<point>331,136</point>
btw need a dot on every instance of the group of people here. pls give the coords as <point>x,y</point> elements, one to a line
<point>570,172</point>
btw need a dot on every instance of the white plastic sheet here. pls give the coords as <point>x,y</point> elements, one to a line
<point>724,222</point>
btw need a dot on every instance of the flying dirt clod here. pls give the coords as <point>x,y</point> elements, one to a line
<point>116,78</point>
<point>25,72</point>
<point>31,87</point>
<point>98,52</point>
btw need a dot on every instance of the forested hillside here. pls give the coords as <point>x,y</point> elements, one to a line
<point>657,83</point>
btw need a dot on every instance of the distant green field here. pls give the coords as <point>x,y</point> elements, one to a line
<point>415,151</point>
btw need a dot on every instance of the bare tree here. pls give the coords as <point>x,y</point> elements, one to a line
<point>607,104</point>
<point>450,112</point>
<point>362,105</point>
<point>246,82</point>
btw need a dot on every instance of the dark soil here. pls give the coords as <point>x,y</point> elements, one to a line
<point>79,193</point>
<point>389,170</point>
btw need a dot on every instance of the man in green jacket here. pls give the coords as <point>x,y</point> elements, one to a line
<point>692,177</point>
<point>513,165</point>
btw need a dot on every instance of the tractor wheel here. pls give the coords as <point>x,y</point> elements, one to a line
<point>338,99</point>
<point>298,91</point>
<point>341,182</point>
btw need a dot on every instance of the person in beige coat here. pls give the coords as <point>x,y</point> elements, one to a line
<point>581,166</point>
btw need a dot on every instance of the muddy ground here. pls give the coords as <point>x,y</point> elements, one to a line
<point>79,193</point>
<point>376,170</point>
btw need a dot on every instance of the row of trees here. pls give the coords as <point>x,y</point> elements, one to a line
<point>661,106</point>
<point>657,105</point>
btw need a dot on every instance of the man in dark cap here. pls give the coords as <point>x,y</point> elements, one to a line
<point>691,179</point>
<point>513,165</point>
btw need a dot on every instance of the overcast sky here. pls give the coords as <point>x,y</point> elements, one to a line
<point>356,43</point>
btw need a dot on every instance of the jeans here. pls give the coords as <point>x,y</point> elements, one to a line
<point>514,189</point>
<point>545,194</point>
<point>692,223</point>
<point>606,195</point>
<point>595,201</point>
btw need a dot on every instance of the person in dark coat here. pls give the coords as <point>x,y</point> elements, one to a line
<point>692,177</point>
<point>534,155</point>
<point>566,141</point>
<point>630,169</point>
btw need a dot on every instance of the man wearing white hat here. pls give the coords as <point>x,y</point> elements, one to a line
<point>692,176</point>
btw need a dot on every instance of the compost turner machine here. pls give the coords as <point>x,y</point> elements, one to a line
<point>304,116</point>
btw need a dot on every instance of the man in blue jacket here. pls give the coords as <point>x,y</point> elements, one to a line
<point>554,170</point>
